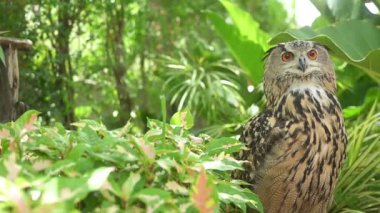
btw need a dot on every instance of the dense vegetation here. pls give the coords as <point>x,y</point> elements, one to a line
<point>50,169</point>
<point>105,76</point>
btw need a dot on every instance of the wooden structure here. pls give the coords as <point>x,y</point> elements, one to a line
<point>10,106</point>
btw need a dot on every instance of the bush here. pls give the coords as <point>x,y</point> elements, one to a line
<point>92,169</point>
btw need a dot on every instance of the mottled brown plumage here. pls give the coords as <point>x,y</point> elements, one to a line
<point>296,147</point>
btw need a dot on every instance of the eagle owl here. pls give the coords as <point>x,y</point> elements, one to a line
<point>296,147</point>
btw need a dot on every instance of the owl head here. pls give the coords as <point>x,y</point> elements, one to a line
<point>294,64</point>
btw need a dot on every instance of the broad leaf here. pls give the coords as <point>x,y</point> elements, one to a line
<point>246,41</point>
<point>98,178</point>
<point>242,198</point>
<point>223,165</point>
<point>246,52</point>
<point>226,145</point>
<point>183,119</point>
<point>339,10</point>
<point>246,25</point>
<point>357,42</point>
<point>176,188</point>
<point>27,121</point>
<point>153,198</point>
<point>59,189</point>
<point>129,185</point>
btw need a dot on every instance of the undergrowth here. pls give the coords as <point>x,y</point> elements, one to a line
<point>92,169</point>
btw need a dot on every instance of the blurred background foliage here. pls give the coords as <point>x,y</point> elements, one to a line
<point>111,60</point>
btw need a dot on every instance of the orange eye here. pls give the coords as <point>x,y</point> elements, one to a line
<point>312,54</point>
<point>287,56</point>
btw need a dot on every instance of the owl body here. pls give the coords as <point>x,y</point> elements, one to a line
<point>296,147</point>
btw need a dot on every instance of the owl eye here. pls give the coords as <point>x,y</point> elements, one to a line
<point>287,56</point>
<point>312,54</point>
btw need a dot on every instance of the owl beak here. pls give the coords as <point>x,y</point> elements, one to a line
<point>302,64</point>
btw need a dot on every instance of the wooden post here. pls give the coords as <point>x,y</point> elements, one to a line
<point>10,106</point>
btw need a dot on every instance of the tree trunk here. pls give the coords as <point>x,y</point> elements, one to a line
<point>144,101</point>
<point>6,109</point>
<point>118,59</point>
<point>63,64</point>
<point>10,106</point>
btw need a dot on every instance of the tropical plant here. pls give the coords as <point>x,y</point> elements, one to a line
<point>205,83</point>
<point>245,40</point>
<point>359,184</point>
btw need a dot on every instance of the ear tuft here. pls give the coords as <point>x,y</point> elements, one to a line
<point>323,46</point>
<point>270,50</point>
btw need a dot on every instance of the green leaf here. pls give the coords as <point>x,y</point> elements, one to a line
<point>223,165</point>
<point>183,119</point>
<point>246,52</point>
<point>77,152</point>
<point>238,196</point>
<point>59,189</point>
<point>27,120</point>
<point>153,198</point>
<point>339,10</point>
<point>246,41</point>
<point>99,177</point>
<point>176,188</point>
<point>361,48</point>
<point>352,111</point>
<point>166,164</point>
<point>246,25</point>
<point>129,185</point>
<point>226,145</point>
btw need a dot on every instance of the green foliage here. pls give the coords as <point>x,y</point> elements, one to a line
<point>93,169</point>
<point>183,119</point>
<point>342,10</point>
<point>203,82</point>
<point>280,19</point>
<point>169,49</point>
<point>245,39</point>
<point>359,183</point>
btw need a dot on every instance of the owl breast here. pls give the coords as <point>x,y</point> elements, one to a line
<point>308,138</point>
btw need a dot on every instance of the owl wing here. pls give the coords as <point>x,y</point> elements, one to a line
<point>259,135</point>
<point>258,138</point>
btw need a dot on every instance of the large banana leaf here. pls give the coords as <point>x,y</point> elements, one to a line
<point>340,10</point>
<point>246,25</point>
<point>355,41</point>
<point>245,40</point>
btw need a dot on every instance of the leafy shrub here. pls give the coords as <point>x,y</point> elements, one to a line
<point>92,169</point>
<point>359,183</point>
